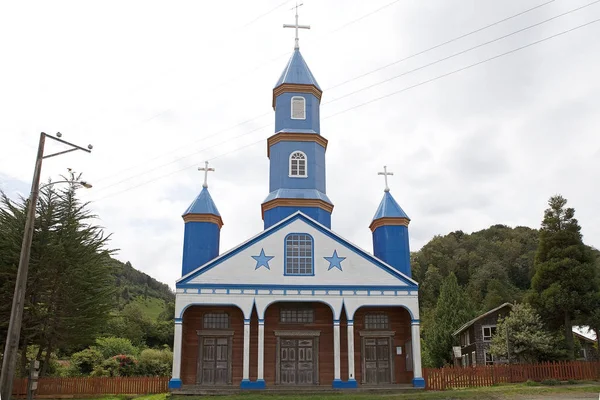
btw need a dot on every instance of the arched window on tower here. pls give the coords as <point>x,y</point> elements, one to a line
<point>298,165</point>
<point>298,107</point>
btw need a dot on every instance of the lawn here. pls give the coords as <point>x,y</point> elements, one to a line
<point>516,391</point>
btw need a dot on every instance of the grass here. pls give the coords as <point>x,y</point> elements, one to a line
<point>499,392</point>
<point>151,307</point>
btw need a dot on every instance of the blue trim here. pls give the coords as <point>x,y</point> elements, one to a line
<point>175,384</point>
<point>246,321</point>
<point>418,382</point>
<point>415,321</point>
<point>351,321</point>
<point>178,320</point>
<point>340,384</point>
<point>248,384</point>
<point>268,232</point>
<point>211,305</point>
<point>285,287</point>
<point>312,255</point>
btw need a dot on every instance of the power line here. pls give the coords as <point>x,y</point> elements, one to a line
<point>379,98</point>
<point>461,52</point>
<point>347,81</point>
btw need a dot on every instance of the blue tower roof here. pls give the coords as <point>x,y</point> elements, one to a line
<point>203,204</point>
<point>389,208</point>
<point>297,72</point>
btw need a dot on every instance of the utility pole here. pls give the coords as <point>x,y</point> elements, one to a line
<point>9,361</point>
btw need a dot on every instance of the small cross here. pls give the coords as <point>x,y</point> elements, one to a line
<point>385,174</point>
<point>296,26</point>
<point>205,169</point>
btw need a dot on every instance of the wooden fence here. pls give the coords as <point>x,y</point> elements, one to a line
<point>457,377</point>
<point>94,386</point>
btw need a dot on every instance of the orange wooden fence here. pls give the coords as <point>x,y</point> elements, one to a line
<point>94,386</point>
<point>457,377</point>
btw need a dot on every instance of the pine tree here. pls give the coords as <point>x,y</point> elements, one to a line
<point>452,311</point>
<point>564,284</point>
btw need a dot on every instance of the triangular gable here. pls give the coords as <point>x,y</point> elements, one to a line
<point>387,270</point>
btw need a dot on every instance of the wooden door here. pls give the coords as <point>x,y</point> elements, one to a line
<point>215,361</point>
<point>376,361</point>
<point>296,362</point>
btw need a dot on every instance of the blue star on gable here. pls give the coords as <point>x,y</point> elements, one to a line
<point>262,260</point>
<point>335,261</point>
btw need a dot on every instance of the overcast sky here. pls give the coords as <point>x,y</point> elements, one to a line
<point>159,87</point>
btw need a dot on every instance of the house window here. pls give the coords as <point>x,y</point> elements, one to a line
<point>298,254</point>
<point>296,316</point>
<point>473,359</point>
<point>298,107</point>
<point>465,338</point>
<point>488,332</point>
<point>298,165</point>
<point>489,358</point>
<point>216,321</point>
<point>377,321</point>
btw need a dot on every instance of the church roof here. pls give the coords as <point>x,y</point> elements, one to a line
<point>203,204</point>
<point>297,194</point>
<point>389,208</point>
<point>297,72</point>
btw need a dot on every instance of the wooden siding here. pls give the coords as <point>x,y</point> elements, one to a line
<point>400,324</point>
<point>192,322</point>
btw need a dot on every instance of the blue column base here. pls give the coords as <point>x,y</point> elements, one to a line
<point>418,382</point>
<point>340,384</point>
<point>175,384</point>
<point>247,384</point>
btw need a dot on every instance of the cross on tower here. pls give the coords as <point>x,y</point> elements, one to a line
<point>385,174</point>
<point>296,26</point>
<point>206,170</point>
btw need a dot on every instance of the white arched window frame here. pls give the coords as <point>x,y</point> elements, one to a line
<point>298,107</point>
<point>298,167</point>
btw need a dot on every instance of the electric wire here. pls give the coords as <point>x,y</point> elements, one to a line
<point>346,95</point>
<point>375,100</point>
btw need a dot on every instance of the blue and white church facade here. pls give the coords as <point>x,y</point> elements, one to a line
<point>297,304</point>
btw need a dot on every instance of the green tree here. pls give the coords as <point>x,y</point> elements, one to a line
<point>452,311</point>
<point>528,341</point>
<point>564,285</point>
<point>113,346</point>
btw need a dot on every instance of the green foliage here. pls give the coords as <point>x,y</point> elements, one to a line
<point>155,362</point>
<point>551,382</point>
<point>112,346</point>
<point>127,365</point>
<point>452,311</point>
<point>85,361</point>
<point>528,341</point>
<point>565,283</point>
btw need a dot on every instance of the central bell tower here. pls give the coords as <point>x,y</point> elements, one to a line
<point>297,150</point>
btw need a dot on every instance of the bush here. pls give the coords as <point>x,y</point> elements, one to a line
<point>529,382</point>
<point>113,346</point>
<point>127,365</point>
<point>85,361</point>
<point>551,382</point>
<point>155,362</point>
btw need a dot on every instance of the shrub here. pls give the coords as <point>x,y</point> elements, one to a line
<point>85,361</point>
<point>127,365</point>
<point>113,346</point>
<point>155,362</point>
<point>531,383</point>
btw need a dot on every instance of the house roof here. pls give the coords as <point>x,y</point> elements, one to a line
<point>471,322</point>
<point>389,208</point>
<point>585,333</point>
<point>298,215</point>
<point>203,204</point>
<point>297,72</point>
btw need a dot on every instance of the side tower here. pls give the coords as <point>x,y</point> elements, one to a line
<point>297,150</point>
<point>202,229</point>
<point>390,232</point>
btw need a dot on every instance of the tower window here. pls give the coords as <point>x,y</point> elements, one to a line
<point>298,254</point>
<point>298,107</point>
<point>298,165</point>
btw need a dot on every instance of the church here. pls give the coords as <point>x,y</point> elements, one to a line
<point>296,305</point>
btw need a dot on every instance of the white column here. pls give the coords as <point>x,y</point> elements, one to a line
<point>336,350</point>
<point>351,373</point>
<point>261,349</point>
<point>175,382</point>
<point>416,349</point>
<point>246,373</point>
